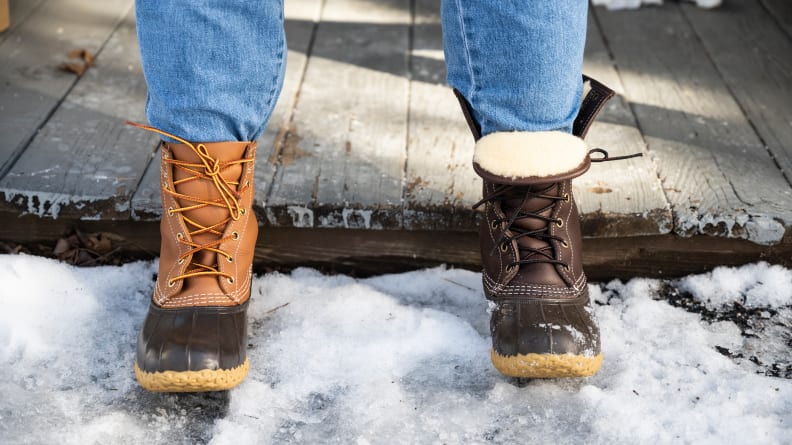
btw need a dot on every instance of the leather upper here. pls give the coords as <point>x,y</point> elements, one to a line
<point>239,235</point>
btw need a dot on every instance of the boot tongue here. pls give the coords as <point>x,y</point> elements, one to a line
<point>205,189</point>
<point>536,273</point>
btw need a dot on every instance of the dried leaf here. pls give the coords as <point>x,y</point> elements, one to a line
<point>82,53</point>
<point>600,190</point>
<point>99,243</point>
<point>73,67</point>
<point>61,247</point>
<point>88,57</point>
<point>112,236</point>
<point>78,68</point>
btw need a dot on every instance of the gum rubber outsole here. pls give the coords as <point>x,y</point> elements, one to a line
<point>192,381</point>
<point>546,366</point>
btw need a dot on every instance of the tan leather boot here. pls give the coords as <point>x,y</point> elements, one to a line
<point>194,337</point>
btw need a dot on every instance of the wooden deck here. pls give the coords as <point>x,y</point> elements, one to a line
<point>367,158</point>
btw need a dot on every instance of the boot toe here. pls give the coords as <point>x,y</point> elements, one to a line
<point>192,349</point>
<point>535,338</point>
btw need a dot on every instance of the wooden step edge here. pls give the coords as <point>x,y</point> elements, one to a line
<point>368,252</point>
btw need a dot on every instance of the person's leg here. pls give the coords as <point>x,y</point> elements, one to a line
<point>214,70</point>
<point>516,66</point>
<point>518,63</point>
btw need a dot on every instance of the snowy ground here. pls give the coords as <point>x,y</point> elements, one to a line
<point>398,359</point>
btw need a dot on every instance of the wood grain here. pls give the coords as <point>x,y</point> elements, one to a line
<point>31,85</point>
<point>719,178</point>
<point>85,162</point>
<point>347,137</point>
<point>19,11</point>
<point>755,59</point>
<point>781,11</point>
<point>619,198</point>
<point>441,186</point>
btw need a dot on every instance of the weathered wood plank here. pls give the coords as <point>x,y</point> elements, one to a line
<point>146,202</point>
<point>342,164</point>
<point>31,86</point>
<point>754,57</point>
<point>300,19</point>
<point>20,10</point>
<point>85,162</point>
<point>369,252</point>
<point>441,186</point>
<point>620,198</point>
<point>716,172</point>
<point>781,10</point>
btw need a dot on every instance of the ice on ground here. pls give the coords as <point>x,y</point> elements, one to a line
<point>391,359</point>
<point>634,4</point>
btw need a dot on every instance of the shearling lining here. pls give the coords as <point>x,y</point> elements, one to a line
<point>524,154</point>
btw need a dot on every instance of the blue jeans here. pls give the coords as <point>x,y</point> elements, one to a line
<point>214,68</point>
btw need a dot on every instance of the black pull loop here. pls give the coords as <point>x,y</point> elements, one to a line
<point>606,157</point>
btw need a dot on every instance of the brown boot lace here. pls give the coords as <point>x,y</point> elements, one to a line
<point>531,255</point>
<point>209,169</point>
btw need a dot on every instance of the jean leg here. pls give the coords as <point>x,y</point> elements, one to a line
<point>214,69</point>
<point>518,62</point>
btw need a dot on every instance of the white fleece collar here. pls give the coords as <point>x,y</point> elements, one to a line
<point>530,154</point>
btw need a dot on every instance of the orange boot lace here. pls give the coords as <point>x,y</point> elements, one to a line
<point>208,169</point>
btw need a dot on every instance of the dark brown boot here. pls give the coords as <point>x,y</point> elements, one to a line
<point>194,337</point>
<point>542,323</point>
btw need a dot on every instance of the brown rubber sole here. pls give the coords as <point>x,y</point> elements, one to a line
<point>192,381</point>
<point>546,366</point>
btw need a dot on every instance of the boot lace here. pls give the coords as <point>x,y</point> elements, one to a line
<point>544,254</point>
<point>209,169</point>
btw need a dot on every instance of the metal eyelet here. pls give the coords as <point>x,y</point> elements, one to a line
<point>243,211</point>
<point>171,283</point>
<point>235,235</point>
<point>181,261</point>
<point>567,268</point>
<point>566,197</point>
<point>559,222</point>
<point>170,211</point>
<point>510,268</point>
<point>504,247</point>
<point>564,244</point>
<point>230,259</point>
<point>230,280</point>
<point>495,225</point>
<point>179,236</point>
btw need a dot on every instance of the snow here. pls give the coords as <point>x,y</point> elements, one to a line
<point>391,359</point>
<point>633,4</point>
<point>756,285</point>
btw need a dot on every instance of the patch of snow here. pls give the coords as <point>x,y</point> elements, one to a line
<point>356,218</point>
<point>758,285</point>
<point>301,216</point>
<point>760,229</point>
<point>392,359</point>
<point>45,204</point>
